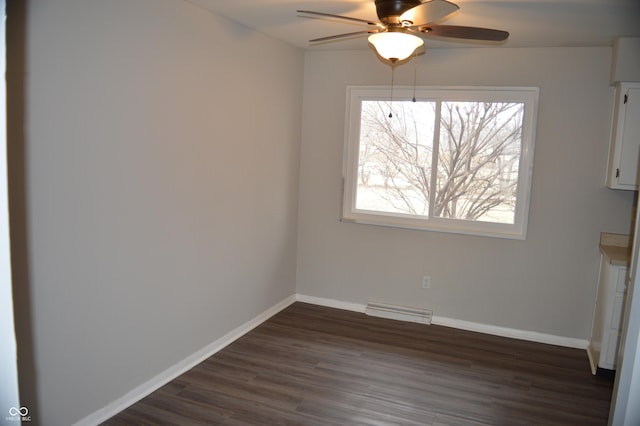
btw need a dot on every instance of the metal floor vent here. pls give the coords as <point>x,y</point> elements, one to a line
<point>402,313</point>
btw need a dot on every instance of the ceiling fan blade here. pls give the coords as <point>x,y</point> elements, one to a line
<point>339,36</point>
<point>469,33</point>
<point>348,18</point>
<point>428,12</point>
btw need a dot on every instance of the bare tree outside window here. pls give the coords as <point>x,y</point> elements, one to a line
<point>478,154</point>
<point>478,160</point>
<point>395,157</point>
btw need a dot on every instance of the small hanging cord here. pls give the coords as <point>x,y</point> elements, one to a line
<point>415,72</point>
<point>391,101</point>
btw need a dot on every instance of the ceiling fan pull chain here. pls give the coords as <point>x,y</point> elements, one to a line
<point>391,101</point>
<point>415,72</point>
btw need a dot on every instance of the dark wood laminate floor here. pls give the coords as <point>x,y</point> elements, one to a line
<point>312,365</point>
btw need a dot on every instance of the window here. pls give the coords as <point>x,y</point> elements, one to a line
<point>454,160</point>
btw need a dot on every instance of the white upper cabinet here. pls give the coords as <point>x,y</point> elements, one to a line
<point>624,148</point>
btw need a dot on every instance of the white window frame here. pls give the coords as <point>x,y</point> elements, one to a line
<point>357,94</point>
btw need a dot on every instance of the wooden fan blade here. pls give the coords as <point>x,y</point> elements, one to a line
<point>348,18</point>
<point>469,33</point>
<point>428,12</point>
<point>339,36</point>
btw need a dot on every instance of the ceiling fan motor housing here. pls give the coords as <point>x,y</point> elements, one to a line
<point>387,9</point>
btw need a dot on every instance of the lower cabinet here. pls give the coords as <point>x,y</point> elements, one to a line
<point>607,318</point>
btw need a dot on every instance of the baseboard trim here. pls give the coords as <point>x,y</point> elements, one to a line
<point>331,303</point>
<point>181,367</point>
<point>531,336</point>
<point>513,333</point>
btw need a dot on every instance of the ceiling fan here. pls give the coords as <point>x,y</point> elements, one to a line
<point>402,24</point>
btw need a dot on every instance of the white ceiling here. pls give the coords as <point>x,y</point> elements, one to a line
<point>531,23</point>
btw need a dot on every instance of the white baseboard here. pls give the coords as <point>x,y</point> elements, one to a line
<point>181,367</point>
<point>513,333</point>
<point>331,303</point>
<point>463,325</point>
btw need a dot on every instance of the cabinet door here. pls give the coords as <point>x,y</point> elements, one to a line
<point>610,354</point>
<point>616,312</point>
<point>625,138</point>
<point>630,138</point>
<point>605,331</point>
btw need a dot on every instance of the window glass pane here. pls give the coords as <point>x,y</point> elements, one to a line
<point>394,157</point>
<point>458,160</point>
<point>478,161</point>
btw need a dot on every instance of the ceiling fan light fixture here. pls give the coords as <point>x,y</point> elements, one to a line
<point>395,46</point>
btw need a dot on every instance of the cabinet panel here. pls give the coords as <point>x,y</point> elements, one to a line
<point>605,331</point>
<point>630,138</point>
<point>609,361</point>
<point>621,285</point>
<point>616,312</point>
<point>624,149</point>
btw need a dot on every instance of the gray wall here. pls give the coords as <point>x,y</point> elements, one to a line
<point>545,284</point>
<point>161,151</point>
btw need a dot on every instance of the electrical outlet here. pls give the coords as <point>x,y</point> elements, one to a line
<point>426,281</point>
